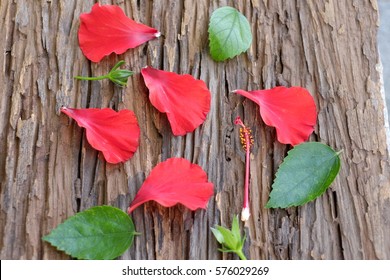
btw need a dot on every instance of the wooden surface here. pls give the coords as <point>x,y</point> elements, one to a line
<point>48,171</point>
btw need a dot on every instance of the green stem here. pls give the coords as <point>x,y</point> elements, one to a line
<point>92,78</point>
<point>241,255</point>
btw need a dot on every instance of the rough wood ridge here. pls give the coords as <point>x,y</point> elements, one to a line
<point>49,172</point>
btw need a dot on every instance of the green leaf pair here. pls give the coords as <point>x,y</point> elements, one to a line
<point>230,239</point>
<point>117,76</point>
<point>99,233</point>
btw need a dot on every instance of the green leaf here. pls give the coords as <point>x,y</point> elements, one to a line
<point>229,33</point>
<point>119,76</point>
<point>101,232</point>
<point>304,175</point>
<point>218,235</point>
<point>230,239</point>
<point>236,228</point>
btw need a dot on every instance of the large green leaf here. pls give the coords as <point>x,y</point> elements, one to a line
<point>229,33</point>
<point>304,175</point>
<point>101,232</point>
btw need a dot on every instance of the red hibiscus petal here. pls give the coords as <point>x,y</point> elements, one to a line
<point>173,181</point>
<point>115,134</point>
<point>292,111</point>
<point>184,99</point>
<point>107,29</point>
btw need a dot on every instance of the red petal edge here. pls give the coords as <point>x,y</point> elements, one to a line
<point>292,111</point>
<point>173,181</point>
<point>107,29</point>
<point>184,99</point>
<point>115,134</point>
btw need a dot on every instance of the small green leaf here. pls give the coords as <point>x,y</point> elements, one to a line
<point>230,239</point>
<point>305,174</point>
<point>236,228</point>
<point>101,232</point>
<point>119,76</point>
<point>229,33</point>
<point>218,235</point>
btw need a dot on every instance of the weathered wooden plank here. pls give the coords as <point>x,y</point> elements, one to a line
<point>49,172</point>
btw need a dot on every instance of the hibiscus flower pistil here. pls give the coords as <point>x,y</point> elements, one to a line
<point>246,142</point>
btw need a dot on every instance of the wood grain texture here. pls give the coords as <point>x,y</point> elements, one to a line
<point>48,171</point>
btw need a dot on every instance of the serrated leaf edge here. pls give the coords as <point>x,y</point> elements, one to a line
<point>295,205</point>
<point>46,238</point>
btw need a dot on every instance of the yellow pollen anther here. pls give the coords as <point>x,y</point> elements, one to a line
<point>246,132</point>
